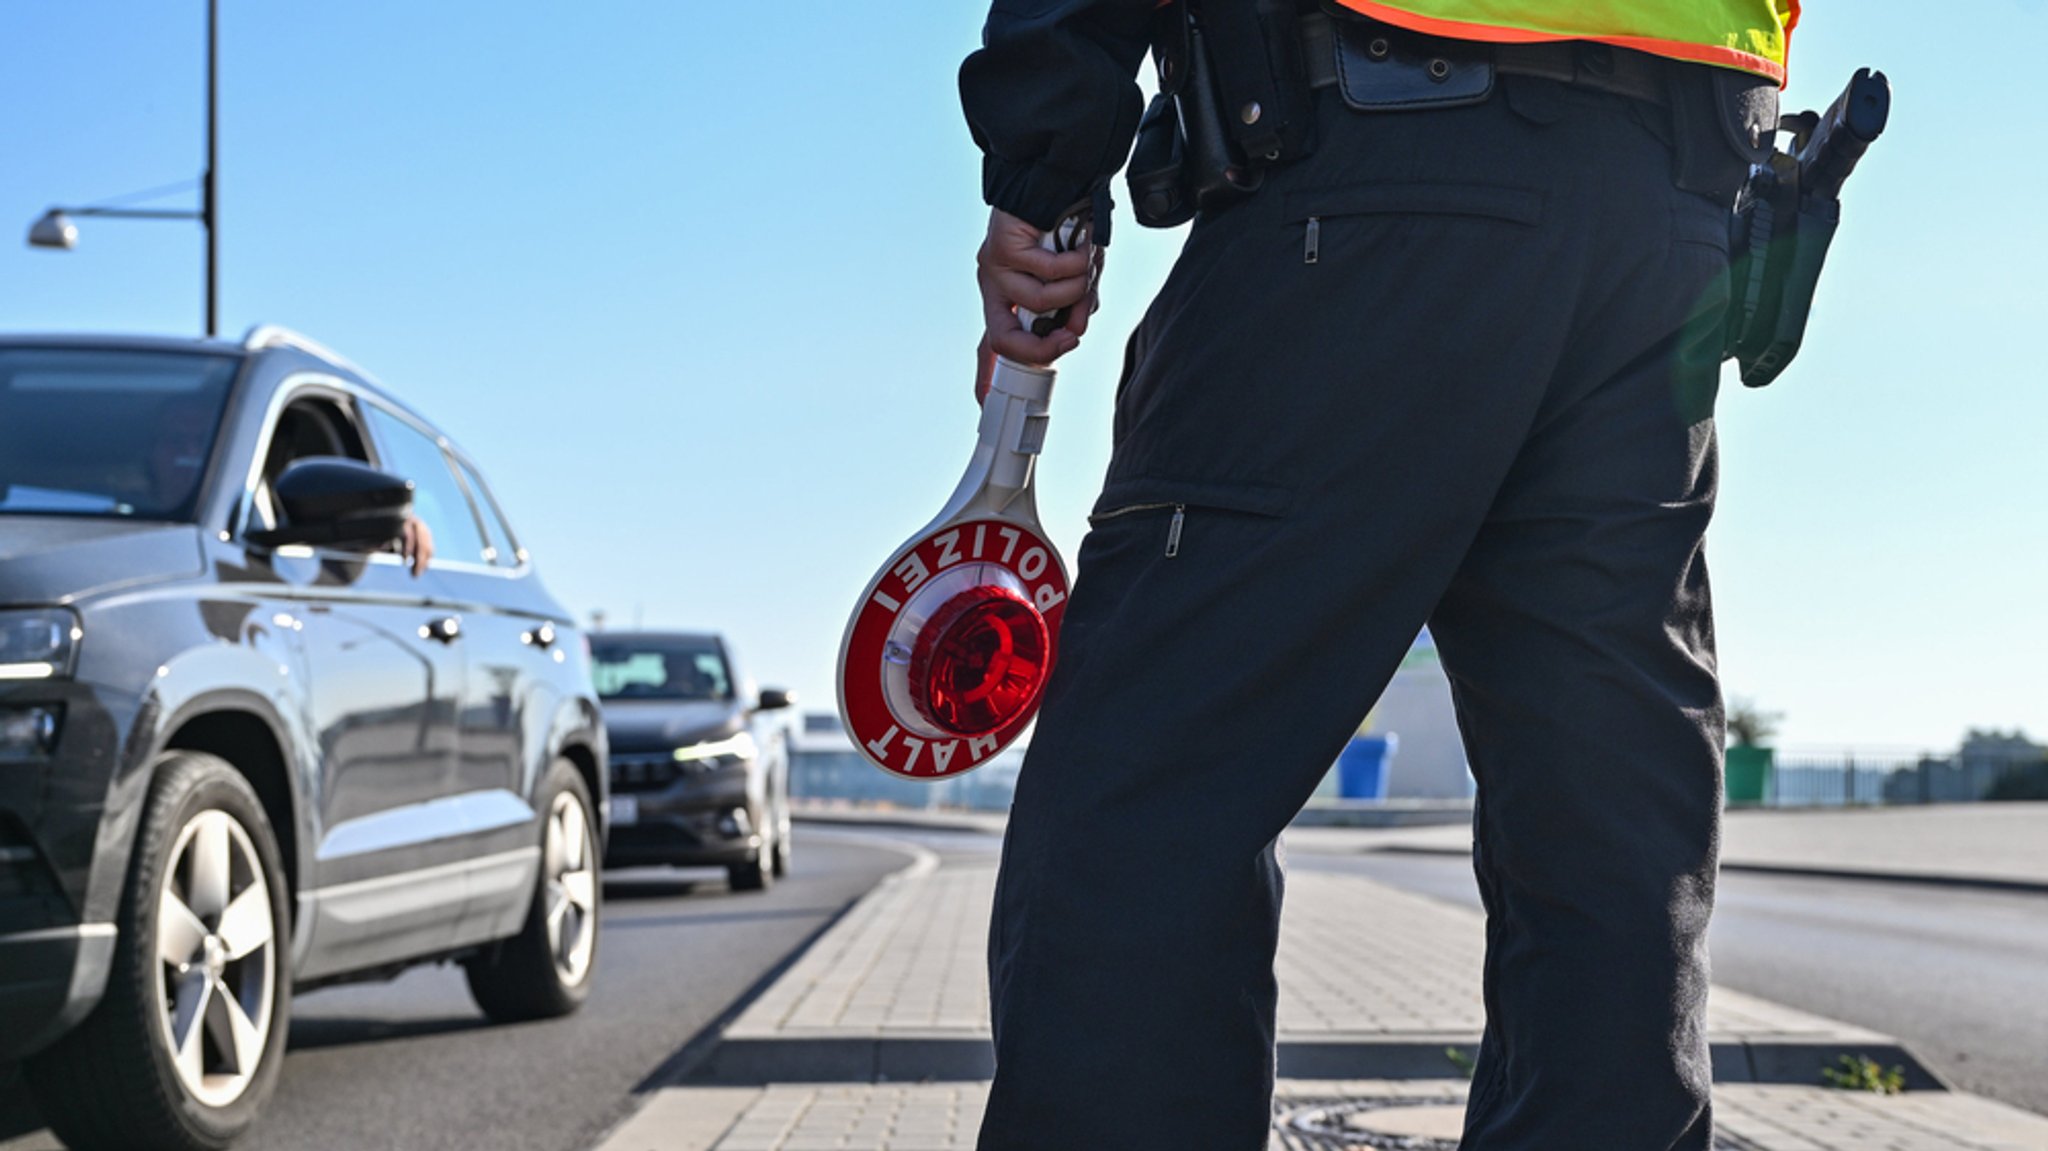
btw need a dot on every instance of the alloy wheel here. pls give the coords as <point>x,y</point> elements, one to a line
<point>215,941</point>
<point>571,878</point>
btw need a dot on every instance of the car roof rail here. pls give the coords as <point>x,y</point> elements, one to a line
<point>262,336</point>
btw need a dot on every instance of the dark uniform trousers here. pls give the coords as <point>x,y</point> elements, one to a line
<point>1479,398</point>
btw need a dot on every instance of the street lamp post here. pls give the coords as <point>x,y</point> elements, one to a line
<point>54,229</point>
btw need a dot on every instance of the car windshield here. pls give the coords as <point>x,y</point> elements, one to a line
<point>103,432</point>
<point>667,669</point>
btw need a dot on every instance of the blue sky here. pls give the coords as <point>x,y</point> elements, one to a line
<point>694,283</point>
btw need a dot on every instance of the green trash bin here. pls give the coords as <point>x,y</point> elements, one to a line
<point>1748,774</point>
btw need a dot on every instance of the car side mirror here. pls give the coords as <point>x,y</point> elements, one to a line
<point>775,699</point>
<point>331,501</point>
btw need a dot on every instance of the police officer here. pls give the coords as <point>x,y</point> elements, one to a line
<point>1452,363</point>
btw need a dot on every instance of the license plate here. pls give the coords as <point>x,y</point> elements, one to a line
<point>625,810</point>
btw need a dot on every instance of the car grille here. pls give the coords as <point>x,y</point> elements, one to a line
<point>651,771</point>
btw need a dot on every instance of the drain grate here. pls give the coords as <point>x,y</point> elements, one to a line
<point>1394,1123</point>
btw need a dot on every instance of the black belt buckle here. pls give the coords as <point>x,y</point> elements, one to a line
<point>1381,69</point>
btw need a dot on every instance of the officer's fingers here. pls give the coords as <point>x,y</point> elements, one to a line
<point>1025,348</point>
<point>1077,320</point>
<point>1005,335</point>
<point>984,368</point>
<point>1037,261</point>
<point>1038,295</point>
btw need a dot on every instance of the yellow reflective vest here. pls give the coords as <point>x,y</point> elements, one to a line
<point>1747,34</point>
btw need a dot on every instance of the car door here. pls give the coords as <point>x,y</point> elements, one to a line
<point>385,676</point>
<point>505,706</point>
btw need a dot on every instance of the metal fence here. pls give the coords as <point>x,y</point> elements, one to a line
<point>1850,780</point>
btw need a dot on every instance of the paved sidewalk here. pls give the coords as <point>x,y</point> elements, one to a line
<point>1413,1115</point>
<point>876,1039</point>
<point>2002,842</point>
<point>1373,981</point>
<point>2003,845</point>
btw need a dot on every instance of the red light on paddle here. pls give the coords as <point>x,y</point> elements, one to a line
<point>980,661</point>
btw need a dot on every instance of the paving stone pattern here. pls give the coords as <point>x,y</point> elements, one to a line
<point>1780,1118</point>
<point>1356,958</point>
<point>947,1116</point>
<point>910,957</point>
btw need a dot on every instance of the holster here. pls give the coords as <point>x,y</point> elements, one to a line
<point>1233,100</point>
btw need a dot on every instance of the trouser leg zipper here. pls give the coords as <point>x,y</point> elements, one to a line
<point>1180,515</point>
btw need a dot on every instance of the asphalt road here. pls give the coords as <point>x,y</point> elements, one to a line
<point>412,1064</point>
<point>1960,975</point>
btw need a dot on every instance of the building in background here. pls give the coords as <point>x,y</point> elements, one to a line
<point>1428,759</point>
<point>825,769</point>
<point>1416,708</point>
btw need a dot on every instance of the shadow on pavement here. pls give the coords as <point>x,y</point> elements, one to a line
<point>312,1034</point>
<point>659,886</point>
<point>705,920</point>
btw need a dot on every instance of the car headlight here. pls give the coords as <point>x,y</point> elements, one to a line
<point>703,755</point>
<point>38,643</point>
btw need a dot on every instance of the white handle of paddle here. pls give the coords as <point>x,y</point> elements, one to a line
<point>1015,413</point>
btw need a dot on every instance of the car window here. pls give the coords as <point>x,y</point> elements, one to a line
<point>107,432</point>
<point>436,498</point>
<point>496,531</point>
<point>670,669</point>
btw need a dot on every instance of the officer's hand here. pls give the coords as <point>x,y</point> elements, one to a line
<point>1015,272</point>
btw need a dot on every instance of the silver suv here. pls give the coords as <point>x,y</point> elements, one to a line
<point>245,747</point>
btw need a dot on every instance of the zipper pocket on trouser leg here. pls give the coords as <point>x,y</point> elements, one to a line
<point>1173,527</point>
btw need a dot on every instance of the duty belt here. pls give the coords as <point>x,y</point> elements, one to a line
<point>1583,64</point>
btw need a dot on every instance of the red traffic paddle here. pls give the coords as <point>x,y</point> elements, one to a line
<point>947,654</point>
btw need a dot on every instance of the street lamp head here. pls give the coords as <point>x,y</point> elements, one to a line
<point>53,230</point>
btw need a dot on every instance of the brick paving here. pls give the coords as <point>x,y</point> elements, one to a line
<point>947,1116</point>
<point>1356,959</point>
<point>1358,962</point>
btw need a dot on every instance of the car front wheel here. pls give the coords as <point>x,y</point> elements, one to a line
<point>185,1046</point>
<point>544,971</point>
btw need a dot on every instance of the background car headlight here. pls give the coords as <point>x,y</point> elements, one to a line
<point>716,753</point>
<point>28,733</point>
<point>37,643</point>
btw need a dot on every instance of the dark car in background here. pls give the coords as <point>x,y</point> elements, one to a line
<point>699,758</point>
<point>243,748</point>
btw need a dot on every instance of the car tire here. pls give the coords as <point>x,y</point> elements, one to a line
<point>544,971</point>
<point>185,1045</point>
<point>756,874</point>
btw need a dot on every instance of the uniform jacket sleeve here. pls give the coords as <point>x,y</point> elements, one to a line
<point>1052,99</point>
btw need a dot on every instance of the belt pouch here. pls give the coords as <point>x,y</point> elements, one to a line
<point>1380,70</point>
<point>1157,174</point>
<point>1725,123</point>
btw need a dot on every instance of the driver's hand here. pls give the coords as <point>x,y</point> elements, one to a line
<point>416,544</point>
<point>1015,272</point>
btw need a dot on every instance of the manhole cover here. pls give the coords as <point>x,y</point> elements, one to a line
<point>1412,1124</point>
<point>1392,1124</point>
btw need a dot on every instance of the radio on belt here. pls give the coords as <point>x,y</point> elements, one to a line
<point>949,649</point>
